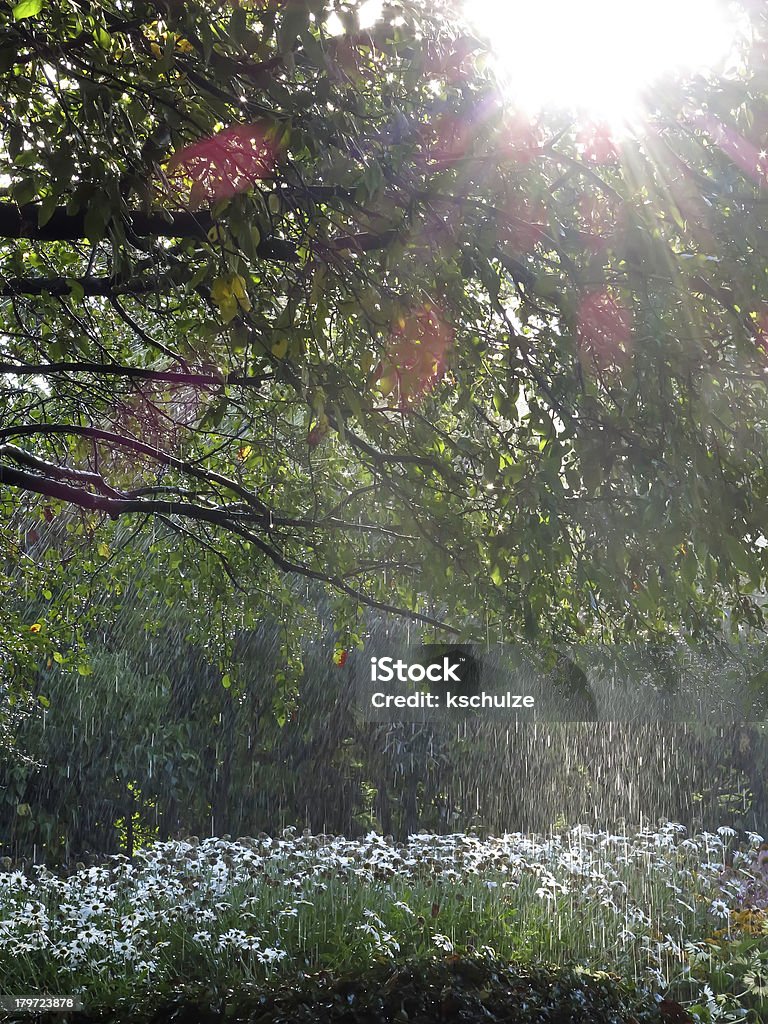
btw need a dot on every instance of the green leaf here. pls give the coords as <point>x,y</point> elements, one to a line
<point>215,414</point>
<point>24,191</point>
<point>295,20</point>
<point>280,348</point>
<point>759,683</point>
<point>27,9</point>
<point>96,218</point>
<point>47,209</point>
<point>373,178</point>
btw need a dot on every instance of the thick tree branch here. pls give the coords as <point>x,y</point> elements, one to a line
<point>91,286</point>
<point>140,448</point>
<point>56,472</point>
<point>136,372</point>
<point>253,509</point>
<point>24,222</point>
<point>220,518</point>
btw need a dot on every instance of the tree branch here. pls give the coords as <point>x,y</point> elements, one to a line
<point>141,448</point>
<point>24,222</point>
<point>137,372</point>
<point>91,286</point>
<point>116,507</point>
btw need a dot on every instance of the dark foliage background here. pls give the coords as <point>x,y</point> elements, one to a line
<point>155,742</point>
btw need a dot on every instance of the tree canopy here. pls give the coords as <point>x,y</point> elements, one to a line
<point>283,307</point>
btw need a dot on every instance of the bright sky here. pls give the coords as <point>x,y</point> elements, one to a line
<point>599,55</point>
<point>595,55</point>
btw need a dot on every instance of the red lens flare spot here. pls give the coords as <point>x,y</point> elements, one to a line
<point>604,329</point>
<point>452,141</point>
<point>524,222</point>
<point>160,414</point>
<point>416,355</point>
<point>522,139</point>
<point>316,435</point>
<point>228,163</point>
<point>319,431</point>
<point>597,145</point>
<point>347,59</point>
<point>747,157</point>
<point>454,137</point>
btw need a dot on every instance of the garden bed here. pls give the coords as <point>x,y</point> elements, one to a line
<point>327,925</point>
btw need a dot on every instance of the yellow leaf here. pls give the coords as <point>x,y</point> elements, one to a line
<point>229,309</point>
<point>35,627</point>
<point>387,383</point>
<point>280,348</point>
<point>223,294</point>
<point>103,549</point>
<point>238,286</point>
<point>221,290</point>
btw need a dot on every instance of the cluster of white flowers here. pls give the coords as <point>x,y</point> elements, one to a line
<point>375,930</point>
<point>249,900</point>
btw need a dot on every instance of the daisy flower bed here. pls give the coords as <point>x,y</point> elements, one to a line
<point>584,925</point>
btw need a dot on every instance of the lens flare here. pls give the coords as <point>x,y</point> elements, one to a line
<point>597,56</point>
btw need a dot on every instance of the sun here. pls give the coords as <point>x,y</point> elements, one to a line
<point>598,56</point>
